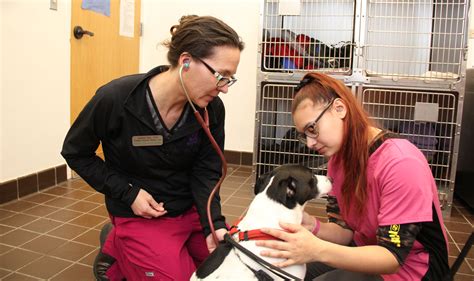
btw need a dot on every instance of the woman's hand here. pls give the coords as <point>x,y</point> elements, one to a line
<point>145,206</point>
<point>211,246</point>
<point>297,245</point>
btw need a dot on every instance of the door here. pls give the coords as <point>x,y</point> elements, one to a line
<point>97,59</point>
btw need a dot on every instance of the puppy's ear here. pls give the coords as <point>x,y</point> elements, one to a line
<point>284,191</point>
<point>261,183</point>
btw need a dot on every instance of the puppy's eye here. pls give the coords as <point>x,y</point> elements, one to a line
<point>291,188</point>
<point>292,185</point>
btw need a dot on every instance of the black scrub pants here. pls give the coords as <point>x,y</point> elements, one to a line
<point>316,271</point>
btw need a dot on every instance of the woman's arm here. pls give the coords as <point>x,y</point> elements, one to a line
<point>299,246</point>
<point>367,259</point>
<point>81,142</point>
<point>335,233</point>
<point>330,231</point>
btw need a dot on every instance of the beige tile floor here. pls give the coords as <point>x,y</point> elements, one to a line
<point>54,234</point>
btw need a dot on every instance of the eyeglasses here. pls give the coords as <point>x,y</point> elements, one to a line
<point>221,79</point>
<point>311,131</point>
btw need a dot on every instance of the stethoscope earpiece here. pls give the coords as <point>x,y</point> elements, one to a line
<point>203,121</point>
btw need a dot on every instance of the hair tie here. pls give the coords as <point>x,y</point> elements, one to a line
<point>317,226</point>
<point>303,83</point>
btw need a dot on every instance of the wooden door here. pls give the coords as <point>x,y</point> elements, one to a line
<point>97,59</point>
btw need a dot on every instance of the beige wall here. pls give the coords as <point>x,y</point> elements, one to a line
<point>1,91</point>
<point>34,85</point>
<point>34,75</point>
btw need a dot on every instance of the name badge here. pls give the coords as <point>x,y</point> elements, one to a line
<point>152,140</point>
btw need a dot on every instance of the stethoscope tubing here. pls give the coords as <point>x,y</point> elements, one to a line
<point>205,126</point>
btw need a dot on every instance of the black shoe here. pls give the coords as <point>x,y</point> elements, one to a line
<point>103,261</point>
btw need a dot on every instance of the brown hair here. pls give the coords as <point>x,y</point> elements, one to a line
<point>198,36</point>
<point>354,152</point>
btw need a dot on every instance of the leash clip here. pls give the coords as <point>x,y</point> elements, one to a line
<point>235,237</point>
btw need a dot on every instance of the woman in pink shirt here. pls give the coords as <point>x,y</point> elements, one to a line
<point>384,218</point>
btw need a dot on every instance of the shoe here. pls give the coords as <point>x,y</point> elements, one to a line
<point>103,261</point>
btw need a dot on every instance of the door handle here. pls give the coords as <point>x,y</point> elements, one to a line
<point>79,32</point>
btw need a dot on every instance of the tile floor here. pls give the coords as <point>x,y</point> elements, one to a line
<point>54,234</point>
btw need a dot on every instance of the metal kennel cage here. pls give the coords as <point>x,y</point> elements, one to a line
<point>276,133</point>
<point>277,142</point>
<point>404,59</point>
<point>415,39</point>
<point>429,120</point>
<point>309,35</point>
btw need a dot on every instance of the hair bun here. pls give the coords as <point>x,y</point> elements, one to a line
<point>182,21</point>
<point>187,18</point>
<point>198,36</point>
<point>173,29</point>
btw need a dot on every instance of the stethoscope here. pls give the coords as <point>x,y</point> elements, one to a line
<point>204,123</point>
<point>205,126</point>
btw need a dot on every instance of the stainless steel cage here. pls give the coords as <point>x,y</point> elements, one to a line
<point>309,35</point>
<point>405,60</point>
<point>428,119</point>
<point>277,143</point>
<point>416,39</point>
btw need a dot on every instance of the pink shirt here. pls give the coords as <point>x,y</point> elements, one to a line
<point>401,190</point>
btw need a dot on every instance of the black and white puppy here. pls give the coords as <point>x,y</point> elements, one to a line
<point>280,196</point>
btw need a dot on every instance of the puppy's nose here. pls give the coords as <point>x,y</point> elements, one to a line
<point>324,185</point>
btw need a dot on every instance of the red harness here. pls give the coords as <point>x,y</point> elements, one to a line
<point>254,234</point>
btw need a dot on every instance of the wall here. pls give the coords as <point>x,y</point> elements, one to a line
<point>34,85</point>
<point>1,90</point>
<point>243,16</point>
<point>35,67</point>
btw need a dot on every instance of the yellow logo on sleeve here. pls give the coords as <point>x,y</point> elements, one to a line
<point>393,233</point>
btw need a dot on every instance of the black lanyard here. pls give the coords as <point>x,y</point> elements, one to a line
<point>275,270</point>
<point>380,138</point>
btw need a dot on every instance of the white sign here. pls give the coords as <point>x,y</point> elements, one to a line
<point>425,111</point>
<point>127,18</point>
<point>289,7</point>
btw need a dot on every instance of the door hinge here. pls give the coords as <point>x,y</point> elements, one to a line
<point>141,29</point>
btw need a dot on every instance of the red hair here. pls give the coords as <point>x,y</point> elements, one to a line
<point>354,153</point>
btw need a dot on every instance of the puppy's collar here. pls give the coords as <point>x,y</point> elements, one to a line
<point>254,234</point>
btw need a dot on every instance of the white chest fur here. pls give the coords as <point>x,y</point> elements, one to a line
<point>291,182</point>
<point>264,212</point>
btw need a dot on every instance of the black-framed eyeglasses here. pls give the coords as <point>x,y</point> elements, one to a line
<point>311,131</point>
<point>221,79</point>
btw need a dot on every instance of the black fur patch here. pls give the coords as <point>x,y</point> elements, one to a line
<point>291,185</point>
<point>214,260</point>
<point>262,182</point>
